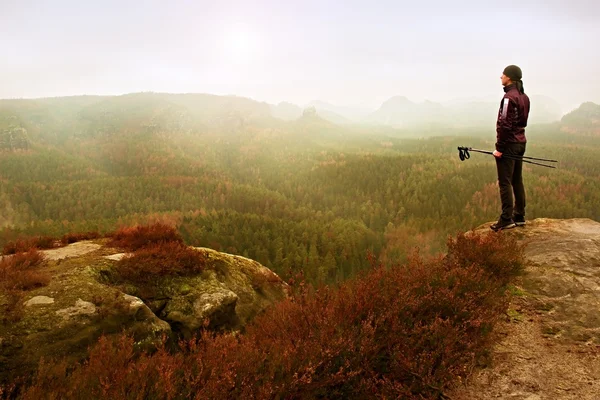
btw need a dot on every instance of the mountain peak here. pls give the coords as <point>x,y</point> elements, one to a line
<point>583,120</point>
<point>397,100</point>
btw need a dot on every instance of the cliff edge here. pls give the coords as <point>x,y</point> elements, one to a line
<point>549,345</point>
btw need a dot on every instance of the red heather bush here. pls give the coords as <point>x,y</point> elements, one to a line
<point>22,245</point>
<point>20,271</point>
<point>400,332</point>
<point>498,254</point>
<point>113,369</point>
<point>133,238</point>
<point>46,242</point>
<point>160,259</point>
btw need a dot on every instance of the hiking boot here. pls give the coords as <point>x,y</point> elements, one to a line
<point>502,224</point>
<point>519,220</point>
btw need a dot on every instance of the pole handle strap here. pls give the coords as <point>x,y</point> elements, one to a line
<point>463,153</point>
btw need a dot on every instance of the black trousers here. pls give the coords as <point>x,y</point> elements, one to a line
<point>510,180</point>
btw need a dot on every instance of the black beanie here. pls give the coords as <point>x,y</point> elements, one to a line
<point>513,72</point>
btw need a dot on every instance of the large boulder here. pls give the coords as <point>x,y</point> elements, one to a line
<point>226,295</point>
<point>67,316</point>
<point>82,303</point>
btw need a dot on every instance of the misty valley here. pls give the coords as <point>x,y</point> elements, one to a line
<point>303,194</point>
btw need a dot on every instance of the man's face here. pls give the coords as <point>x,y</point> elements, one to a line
<point>505,80</point>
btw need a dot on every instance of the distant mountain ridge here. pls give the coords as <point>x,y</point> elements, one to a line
<point>399,111</point>
<point>21,121</point>
<point>351,114</point>
<point>585,119</point>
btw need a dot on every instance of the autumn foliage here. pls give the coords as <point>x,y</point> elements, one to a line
<point>158,250</point>
<point>18,273</point>
<point>133,238</point>
<point>498,255</point>
<point>160,259</point>
<point>25,244</point>
<point>402,331</point>
<point>22,245</point>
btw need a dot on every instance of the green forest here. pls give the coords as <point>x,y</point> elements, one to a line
<point>298,196</point>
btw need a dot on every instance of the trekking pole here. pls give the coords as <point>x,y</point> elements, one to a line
<point>463,154</point>
<point>529,158</point>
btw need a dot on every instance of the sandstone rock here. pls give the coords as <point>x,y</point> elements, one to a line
<point>134,302</point>
<point>39,300</point>
<point>73,250</point>
<point>115,257</point>
<point>256,286</point>
<point>228,294</point>
<point>551,351</point>
<point>87,304</point>
<point>139,311</point>
<point>188,313</point>
<point>562,274</point>
<point>80,308</point>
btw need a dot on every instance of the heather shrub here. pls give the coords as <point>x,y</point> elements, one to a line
<point>22,245</point>
<point>499,255</point>
<point>160,259</point>
<point>133,238</point>
<point>401,331</point>
<point>18,273</point>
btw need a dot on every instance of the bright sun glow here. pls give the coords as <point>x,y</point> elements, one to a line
<point>241,45</point>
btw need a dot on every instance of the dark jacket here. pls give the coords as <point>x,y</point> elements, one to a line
<point>512,118</point>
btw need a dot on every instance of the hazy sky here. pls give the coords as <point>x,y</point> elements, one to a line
<point>345,52</point>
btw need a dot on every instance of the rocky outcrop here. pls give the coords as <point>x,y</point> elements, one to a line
<point>74,250</point>
<point>563,275</point>
<point>68,315</point>
<point>81,303</point>
<point>226,295</point>
<point>584,120</point>
<point>549,345</point>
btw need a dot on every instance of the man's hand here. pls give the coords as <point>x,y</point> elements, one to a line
<point>497,154</point>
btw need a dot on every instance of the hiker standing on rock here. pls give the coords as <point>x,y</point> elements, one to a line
<point>510,140</point>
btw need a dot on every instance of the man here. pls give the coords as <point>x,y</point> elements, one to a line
<point>510,140</point>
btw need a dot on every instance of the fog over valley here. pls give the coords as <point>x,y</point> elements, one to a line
<point>352,54</point>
